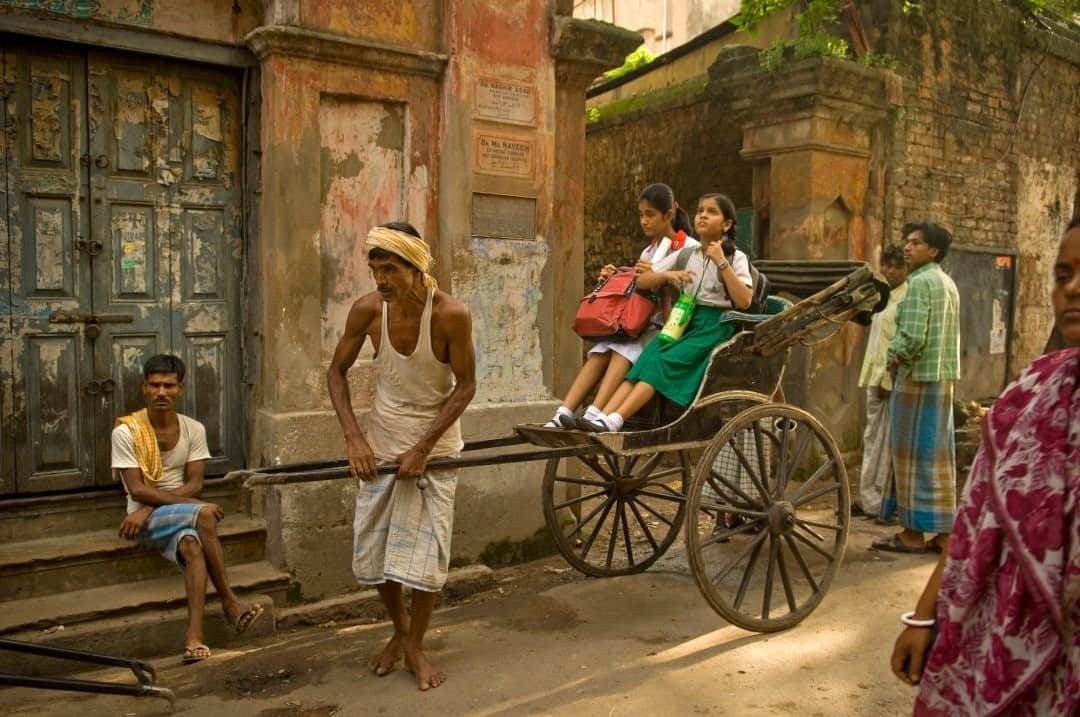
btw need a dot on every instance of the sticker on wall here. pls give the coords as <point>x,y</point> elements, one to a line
<point>997,327</point>
<point>1002,262</point>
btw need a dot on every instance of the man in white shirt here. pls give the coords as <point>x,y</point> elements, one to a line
<point>877,463</point>
<point>160,456</point>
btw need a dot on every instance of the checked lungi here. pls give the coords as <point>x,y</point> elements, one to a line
<point>401,533</point>
<point>924,456</point>
<point>167,526</point>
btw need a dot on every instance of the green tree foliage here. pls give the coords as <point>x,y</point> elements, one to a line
<point>634,60</point>
<point>816,20</point>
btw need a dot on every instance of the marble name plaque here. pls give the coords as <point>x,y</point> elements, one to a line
<point>502,101</point>
<point>505,155</point>
<point>498,216</point>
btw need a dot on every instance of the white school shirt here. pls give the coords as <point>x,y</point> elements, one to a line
<point>713,292</point>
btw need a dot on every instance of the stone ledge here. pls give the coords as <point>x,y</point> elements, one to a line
<point>591,46</point>
<point>147,634</point>
<point>461,582</point>
<point>328,47</point>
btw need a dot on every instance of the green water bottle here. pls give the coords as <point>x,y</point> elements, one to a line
<point>678,319</point>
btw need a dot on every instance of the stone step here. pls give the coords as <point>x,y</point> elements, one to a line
<point>145,634</point>
<point>42,516</point>
<point>66,562</point>
<point>49,612</point>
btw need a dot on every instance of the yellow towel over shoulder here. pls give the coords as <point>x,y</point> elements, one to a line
<point>147,453</point>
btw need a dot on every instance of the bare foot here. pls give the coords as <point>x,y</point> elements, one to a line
<point>383,663</point>
<point>427,675</point>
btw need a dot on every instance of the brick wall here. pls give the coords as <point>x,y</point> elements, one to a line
<point>988,142</point>
<point>691,144</point>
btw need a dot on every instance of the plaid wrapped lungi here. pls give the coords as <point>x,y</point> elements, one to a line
<point>167,526</point>
<point>401,533</point>
<point>924,456</point>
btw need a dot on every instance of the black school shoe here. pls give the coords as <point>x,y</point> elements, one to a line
<point>597,426</point>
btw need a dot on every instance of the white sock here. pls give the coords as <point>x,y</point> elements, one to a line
<point>614,421</point>
<point>592,413</point>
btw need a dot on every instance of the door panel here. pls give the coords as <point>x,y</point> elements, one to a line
<point>7,419</point>
<point>206,252</point>
<point>128,120</point>
<point>120,238</point>
<point>51,408</point>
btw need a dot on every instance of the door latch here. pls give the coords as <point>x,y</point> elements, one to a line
<point>103,387</point>
<point>92,321</point>
<point>90,248</point>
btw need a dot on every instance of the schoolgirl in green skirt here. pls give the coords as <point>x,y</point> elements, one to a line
<point>721,274</point>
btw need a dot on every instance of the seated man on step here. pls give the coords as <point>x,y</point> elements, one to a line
<point>160,456</point>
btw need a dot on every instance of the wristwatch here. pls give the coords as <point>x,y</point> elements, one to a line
<point>723,265</point>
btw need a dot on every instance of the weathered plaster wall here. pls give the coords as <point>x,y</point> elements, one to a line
<point>415,24</point>
<point>335,162</point>
<point>211,20</point>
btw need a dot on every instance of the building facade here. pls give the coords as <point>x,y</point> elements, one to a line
<point>198,178</point>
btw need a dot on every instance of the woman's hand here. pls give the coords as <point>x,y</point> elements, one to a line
<point>677,277</point>
<point>909,654</point>
<point>642,266</point>
<point>606,272</point>
<point>716,253</point>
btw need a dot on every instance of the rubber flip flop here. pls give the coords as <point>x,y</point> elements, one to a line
<point>248,617</point>
<point>896,545</point>
<point>195,653</point>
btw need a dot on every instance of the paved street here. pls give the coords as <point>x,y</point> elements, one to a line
<point>552,642</point>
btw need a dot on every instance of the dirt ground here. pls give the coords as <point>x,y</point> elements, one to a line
<point>551,641</point>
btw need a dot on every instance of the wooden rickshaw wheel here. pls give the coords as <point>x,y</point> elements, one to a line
<point>622,515</point>
<point>768,515</point>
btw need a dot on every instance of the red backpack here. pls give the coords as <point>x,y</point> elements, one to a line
<point>614,310</point>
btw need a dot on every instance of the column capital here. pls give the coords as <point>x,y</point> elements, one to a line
<point>330,47</point>
<point>583,49</point>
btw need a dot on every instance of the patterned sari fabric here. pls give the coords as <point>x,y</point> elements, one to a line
<point>1009,602</point>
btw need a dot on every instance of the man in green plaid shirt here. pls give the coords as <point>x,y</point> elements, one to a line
<point>925,359</point>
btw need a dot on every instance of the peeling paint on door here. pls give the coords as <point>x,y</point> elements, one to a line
<point>205,133</point>
<point>46,114</point>
<point>131,123</point>
<point>129,229</point>
<point>49,260</point>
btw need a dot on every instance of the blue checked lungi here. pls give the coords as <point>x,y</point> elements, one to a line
<point>401,533</point>
<point>923,439</point>
<point>166,526</point>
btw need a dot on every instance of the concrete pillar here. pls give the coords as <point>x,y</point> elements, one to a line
<point>817,134</point>
<point>582,50</point>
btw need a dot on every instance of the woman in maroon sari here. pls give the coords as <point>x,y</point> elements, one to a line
<point>1005,596</point>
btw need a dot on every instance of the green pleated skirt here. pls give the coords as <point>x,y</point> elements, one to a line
<point>676,369</point>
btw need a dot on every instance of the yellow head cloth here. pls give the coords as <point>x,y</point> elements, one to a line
<point>413,250</point>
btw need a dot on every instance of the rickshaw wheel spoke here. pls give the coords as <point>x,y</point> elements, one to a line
<point>771,478</point>
<point>588,510</point>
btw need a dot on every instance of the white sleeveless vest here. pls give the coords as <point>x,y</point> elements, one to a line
<point>409,392</point>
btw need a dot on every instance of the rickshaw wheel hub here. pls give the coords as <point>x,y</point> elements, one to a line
<point>781,517</point>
